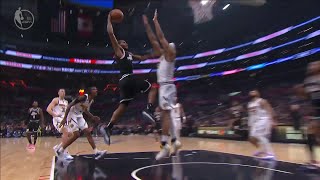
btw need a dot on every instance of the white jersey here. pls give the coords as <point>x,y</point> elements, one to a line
<point>61,107</point>
<point>165,71</point>
<point>256,111</point>
<point>79,108</point>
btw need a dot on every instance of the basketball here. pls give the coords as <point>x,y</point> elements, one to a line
<point>116,16</point>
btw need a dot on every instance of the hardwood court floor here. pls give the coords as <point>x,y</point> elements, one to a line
<point>19,164</point>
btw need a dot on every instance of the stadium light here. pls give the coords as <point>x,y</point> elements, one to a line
<point>226,7</point>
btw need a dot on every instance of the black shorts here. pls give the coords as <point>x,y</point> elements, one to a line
<point>33,126</point>
<point>130,85</point>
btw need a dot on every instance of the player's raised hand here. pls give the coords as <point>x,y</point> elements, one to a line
<point>155,17</point>
<point>145,19</point>
<point>109,25</point>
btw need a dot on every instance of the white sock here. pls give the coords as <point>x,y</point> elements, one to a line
<point>265,145</point>
<point>95,150</point>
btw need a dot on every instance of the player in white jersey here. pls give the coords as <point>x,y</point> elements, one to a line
<point>57,109</point>
<point>76,122</point>
<point>167,90</point>
<point>261,120</point>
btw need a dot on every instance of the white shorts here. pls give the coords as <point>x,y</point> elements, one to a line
<point>261,128</point>
<point>76,122</point>
<point>167,96</point>
<point>56,123</point>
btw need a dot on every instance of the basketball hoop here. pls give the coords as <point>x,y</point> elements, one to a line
<point>202,10</point>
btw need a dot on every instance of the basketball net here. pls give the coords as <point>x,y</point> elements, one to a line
<point>202,10</point>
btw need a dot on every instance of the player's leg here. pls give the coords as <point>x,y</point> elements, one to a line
<point>35,134</point>
<point>253,138</point>
<point>146,87</point>
<point>74,128</point>
<point>165,117</point>
<point>311,141</point>
<point>127,91</point>
<point>260,134</point>
<point>106,130</point>
<point>64,130</point>
<point>83,125</point>
<point>165,148</point>
<point>175,125</point>
<point>29,133</point>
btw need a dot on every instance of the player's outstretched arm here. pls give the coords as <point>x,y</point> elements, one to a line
<point>115,45</point>
<point>152,37</point>
<point>53,103</point>
<point>163,41</point>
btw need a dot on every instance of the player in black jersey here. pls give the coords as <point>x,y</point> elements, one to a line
<point>311,90</point>
<point>129,85</point>
<point>34,120</point>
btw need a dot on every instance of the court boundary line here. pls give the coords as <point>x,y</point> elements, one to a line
<point>134,173</point>
<point>53,164</point>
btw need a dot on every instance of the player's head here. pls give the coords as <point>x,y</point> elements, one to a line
<point>93,91</point>
<point>254,94</point>
<point>62,93</point>
<point>123,44</point>
<point>35,104</point>
<point>313,68</point>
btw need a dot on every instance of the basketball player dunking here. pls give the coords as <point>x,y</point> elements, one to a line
<point>129,85</point>
<point>261,120</point>
<point>35,119</point>
<point>76,122</point>
<point>312,92</point>
<point>167,90</point>
<point>57,109</point>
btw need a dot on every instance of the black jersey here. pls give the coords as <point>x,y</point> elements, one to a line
<point>34,114</point>
<point>125,63</point>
